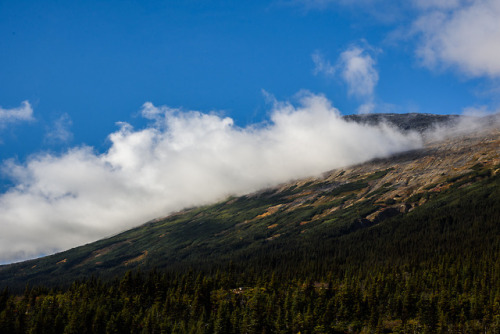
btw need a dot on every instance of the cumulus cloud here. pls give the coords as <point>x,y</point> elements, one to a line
<point>356,67</point>
<point>461,34</point>
<point>22,113</point>
<point>358,71</point>
<point>182,159</point>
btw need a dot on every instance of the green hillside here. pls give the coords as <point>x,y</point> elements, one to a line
<point>433,269</point>
<point>405,244</point>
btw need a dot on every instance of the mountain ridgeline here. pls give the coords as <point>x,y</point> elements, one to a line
<point>405,244</point>
<point>406,122</point>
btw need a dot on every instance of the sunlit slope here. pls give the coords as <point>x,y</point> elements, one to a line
<point>299,218</point>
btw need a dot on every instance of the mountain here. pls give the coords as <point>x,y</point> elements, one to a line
<point>406,122</point>
<point>335,205</point>
<point>404,244</point>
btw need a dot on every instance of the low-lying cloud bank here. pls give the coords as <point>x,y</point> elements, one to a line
<point>472,120</point>
<point>182,159</point>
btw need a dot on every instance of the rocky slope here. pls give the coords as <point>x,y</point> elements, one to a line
<point>407,122</point>
<point>338,203</point>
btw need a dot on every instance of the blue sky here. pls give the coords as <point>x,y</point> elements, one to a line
<point>71,70</point>
<point>98,61</point>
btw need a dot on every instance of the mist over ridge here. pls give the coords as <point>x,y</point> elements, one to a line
<point>182,159</point>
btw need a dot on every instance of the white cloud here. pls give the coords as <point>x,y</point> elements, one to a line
<point>461,34</point>
<point>358,71</point>
<point>464,35</point>
<point>366,108</point>
<point>356,67</point>
<point>184,159</point>
<point>478,111</point>
<point>60,131</point>
<point>21,113</point>
<point>473,120</point>
<point>149,111</point>
<point>321,65</point>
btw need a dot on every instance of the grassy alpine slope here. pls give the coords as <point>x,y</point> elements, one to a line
<point>406,244</point>
<point>334,205</point>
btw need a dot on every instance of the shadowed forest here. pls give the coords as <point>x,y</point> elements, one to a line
<point>433,270</point>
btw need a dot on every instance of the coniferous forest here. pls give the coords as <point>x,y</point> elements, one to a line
<point>435,269</point>
<point>249,166</point>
